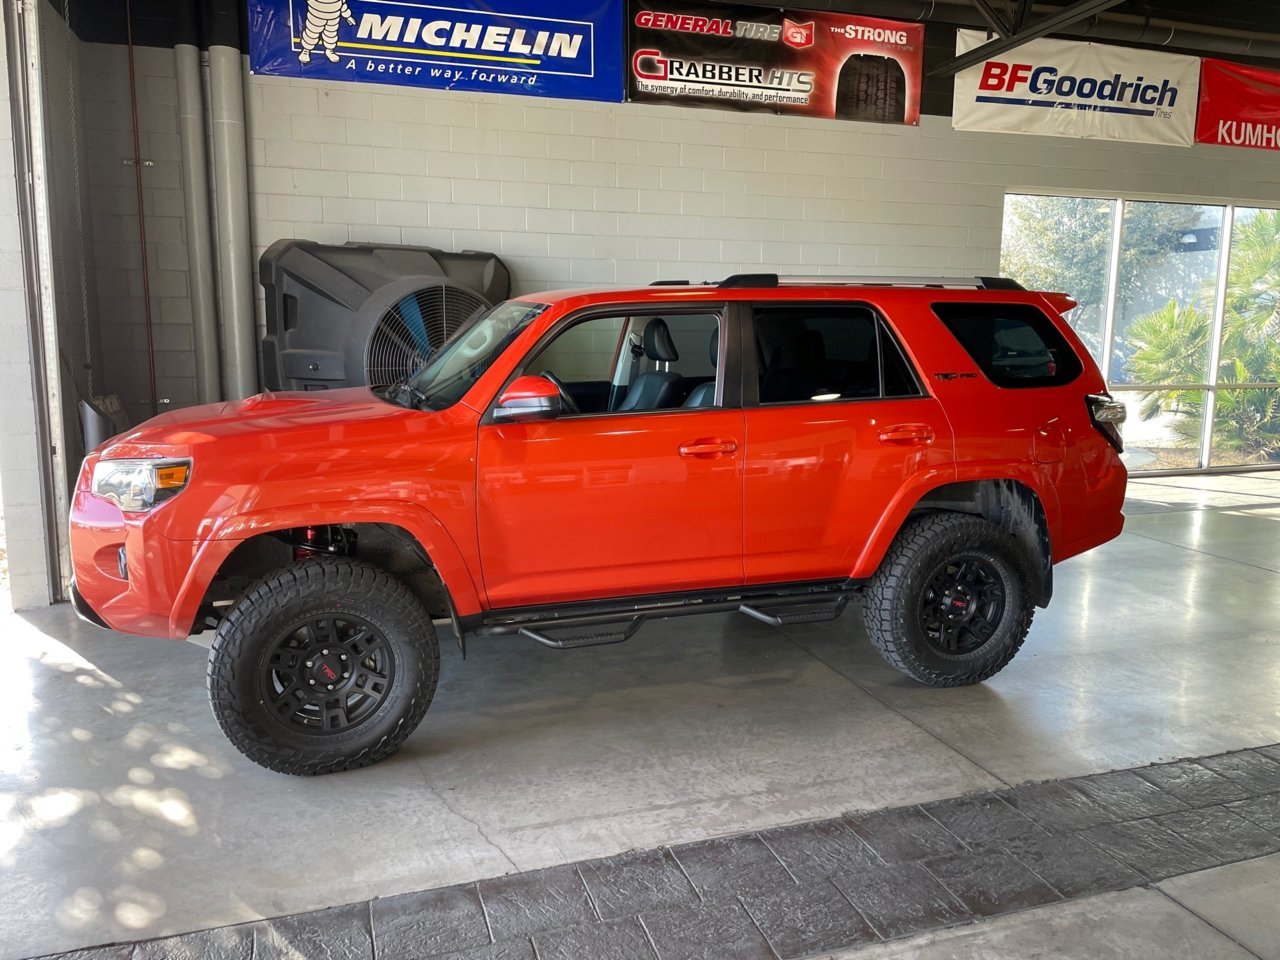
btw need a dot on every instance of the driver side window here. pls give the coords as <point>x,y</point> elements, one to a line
<point>624,364</point>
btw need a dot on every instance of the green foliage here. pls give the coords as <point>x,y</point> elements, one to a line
<point>1170,343</point>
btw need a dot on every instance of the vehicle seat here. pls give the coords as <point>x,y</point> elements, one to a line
<point>658,388</point>
<point>704,394</point>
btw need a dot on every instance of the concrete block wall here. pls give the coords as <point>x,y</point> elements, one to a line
<point>20,452</point>
<point>581,194</point>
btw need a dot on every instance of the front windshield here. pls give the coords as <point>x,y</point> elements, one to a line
<point>466,355</point>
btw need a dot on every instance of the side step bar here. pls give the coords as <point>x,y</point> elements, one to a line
<point>569,628</point>
<point>811,613</point>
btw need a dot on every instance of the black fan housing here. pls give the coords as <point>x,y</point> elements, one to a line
<point>344,316</point>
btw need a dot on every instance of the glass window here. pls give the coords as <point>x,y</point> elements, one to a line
<point>1163,428</point>
<point>1169,257</point>
<point>1015,345</point>
<point>899,378</point>
<point>623,364</point>
<point>1250,344</point>
<point>1063,244</point>
<point>814,353</point>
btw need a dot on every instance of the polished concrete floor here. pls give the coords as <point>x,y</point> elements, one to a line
<point>124,814</point>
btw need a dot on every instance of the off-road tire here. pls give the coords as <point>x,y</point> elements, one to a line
<point>871,88</point>
<point>245,638</point>
<point>891,606</point>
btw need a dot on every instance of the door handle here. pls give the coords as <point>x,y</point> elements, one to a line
<point>707,449</point>
<point>907,434</point>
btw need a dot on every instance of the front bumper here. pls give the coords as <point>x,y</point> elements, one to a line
<point>81,606</point>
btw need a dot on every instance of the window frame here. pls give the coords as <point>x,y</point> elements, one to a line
<point>728,370</point>
<point>751,366</point>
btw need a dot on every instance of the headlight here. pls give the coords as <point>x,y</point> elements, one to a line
<point>138,485</point>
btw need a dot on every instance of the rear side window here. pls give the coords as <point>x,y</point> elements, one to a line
<point>813,353</point>
<point>1015,344</point>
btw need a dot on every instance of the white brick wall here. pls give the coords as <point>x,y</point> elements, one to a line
<point>20,484</point>
<point>577,193</point>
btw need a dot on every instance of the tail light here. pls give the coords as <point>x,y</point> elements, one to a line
<point>1107,415</point>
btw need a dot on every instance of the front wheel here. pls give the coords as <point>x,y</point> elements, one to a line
<point>328,665</point>
<point>951,603</point>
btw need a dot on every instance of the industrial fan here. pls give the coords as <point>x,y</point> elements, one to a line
<point>343,316</point>
<point>411,330</point>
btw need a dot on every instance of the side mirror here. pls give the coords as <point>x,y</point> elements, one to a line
<point>528,399</point>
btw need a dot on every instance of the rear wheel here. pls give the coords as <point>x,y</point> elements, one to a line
<point>325,666</point>
<point>951,604</point>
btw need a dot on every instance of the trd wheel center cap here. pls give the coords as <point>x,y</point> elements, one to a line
<point>957,602</point>
<point>327,672</point>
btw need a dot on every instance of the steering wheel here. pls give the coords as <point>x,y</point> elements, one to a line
<point>567,402</point>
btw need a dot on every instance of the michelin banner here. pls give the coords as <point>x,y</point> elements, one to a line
<point>546,48</point>
<point>1061,88</point>
<point>779,61</point>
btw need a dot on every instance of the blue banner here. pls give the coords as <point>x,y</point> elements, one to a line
<point>545,48</point>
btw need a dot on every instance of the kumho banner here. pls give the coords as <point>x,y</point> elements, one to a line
<point>1239,105</point>
<point>1061,88</point>
<point>547,48</point>
<point>778,61</point>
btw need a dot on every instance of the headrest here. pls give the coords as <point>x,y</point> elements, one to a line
<point>715,346</point>
<point>658,344</point>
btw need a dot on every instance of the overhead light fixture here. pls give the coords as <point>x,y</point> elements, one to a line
<point>825,396</point>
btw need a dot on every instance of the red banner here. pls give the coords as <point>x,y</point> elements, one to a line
<point>1239,105</point>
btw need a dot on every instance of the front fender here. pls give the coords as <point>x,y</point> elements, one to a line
<point>229,532</point>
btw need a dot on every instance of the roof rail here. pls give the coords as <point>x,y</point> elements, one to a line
<point>774,280</point>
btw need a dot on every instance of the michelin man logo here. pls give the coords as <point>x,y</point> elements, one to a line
<point>322,24</point>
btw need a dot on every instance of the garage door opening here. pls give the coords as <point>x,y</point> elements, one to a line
<point>1180,307</point>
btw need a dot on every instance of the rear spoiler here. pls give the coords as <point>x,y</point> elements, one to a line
<point>1061,302</point>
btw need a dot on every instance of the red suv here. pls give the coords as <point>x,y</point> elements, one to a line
<point>570,466</point>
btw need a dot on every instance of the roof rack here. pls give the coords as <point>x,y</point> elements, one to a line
<point>774,280</point>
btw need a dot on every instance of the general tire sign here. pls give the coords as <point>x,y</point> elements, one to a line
<point>1062,88</point>
<point>778,61</point>
<point>548,48</point>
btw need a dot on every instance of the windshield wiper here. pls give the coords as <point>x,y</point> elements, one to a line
<point>404,393</point>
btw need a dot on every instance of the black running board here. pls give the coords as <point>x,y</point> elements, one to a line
<point>597,624</point>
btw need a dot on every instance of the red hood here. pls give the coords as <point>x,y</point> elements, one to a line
<point>274,414</point>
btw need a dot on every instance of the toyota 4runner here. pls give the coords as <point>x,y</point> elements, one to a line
<point>571,466</point>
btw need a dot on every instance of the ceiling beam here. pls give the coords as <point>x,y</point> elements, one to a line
<point>994,20</point>
<point>1074,13</point>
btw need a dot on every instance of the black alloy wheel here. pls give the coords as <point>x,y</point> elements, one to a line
<point>963,605</point>
<point>327,674</point>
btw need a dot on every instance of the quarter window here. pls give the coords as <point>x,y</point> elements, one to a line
<point>817,354</point>
<point>1015,345</point>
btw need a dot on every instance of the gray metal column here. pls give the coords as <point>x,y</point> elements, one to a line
<point>195,187</point>
<point>231,194</point>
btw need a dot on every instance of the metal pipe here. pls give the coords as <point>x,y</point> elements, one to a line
<point>147,319</point>
<point>195,184</point>
<point>231,189</point>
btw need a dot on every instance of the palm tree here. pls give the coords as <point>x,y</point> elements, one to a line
<point>1170,344</point>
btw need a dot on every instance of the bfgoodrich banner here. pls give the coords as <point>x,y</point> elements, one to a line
<point>788,61</point>
<point>548,48</point>
<point>1061,88</point>
<point>1239,105</point>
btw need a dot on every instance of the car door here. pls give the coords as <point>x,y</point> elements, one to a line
<point>837,422</point>
<point>623,501</point>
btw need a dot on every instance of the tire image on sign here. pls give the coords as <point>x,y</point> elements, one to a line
<point>872,88</point>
